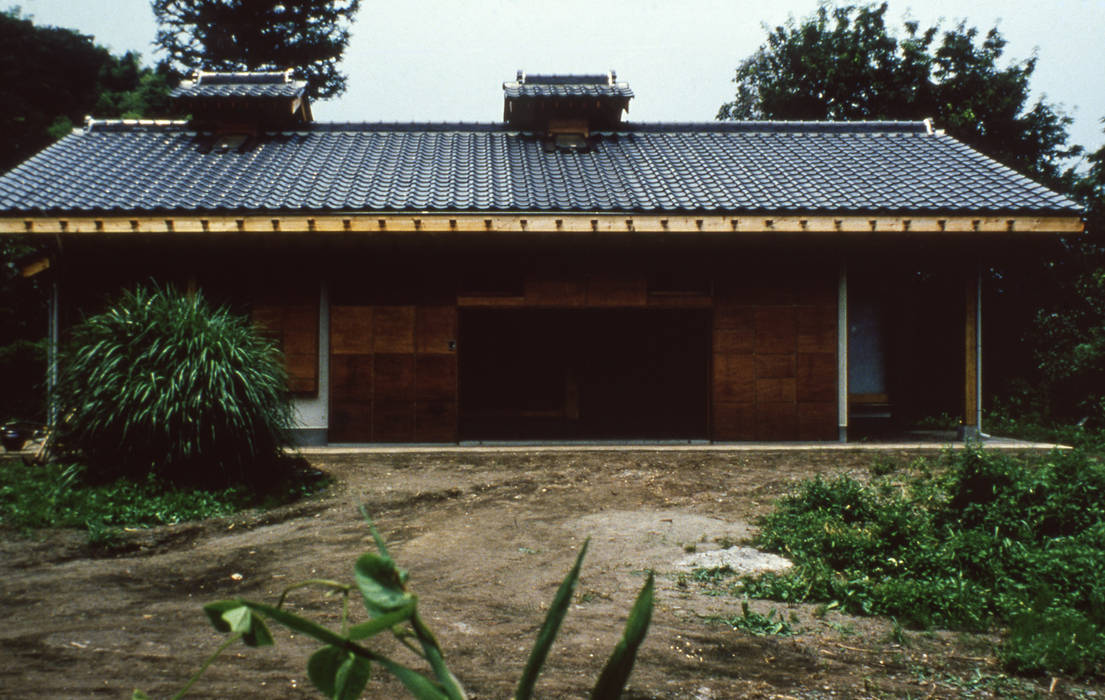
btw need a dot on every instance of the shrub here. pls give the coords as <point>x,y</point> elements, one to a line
<point>162,382</point>
<point>989,538</point>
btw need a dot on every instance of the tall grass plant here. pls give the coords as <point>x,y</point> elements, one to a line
<point>164,383</point>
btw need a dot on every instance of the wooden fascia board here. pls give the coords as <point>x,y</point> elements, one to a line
<point>438,222</point>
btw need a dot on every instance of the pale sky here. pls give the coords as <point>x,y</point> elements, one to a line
<point>446,60</point>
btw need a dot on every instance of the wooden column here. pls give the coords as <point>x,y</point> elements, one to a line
<point>972,356</point>
<point>842,353</point>
<point>53,338</point>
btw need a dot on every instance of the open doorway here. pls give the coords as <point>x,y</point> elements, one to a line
<point>590,374</point>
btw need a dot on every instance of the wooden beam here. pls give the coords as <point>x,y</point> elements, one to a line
<point>32,268</point>
<point>364,223</point>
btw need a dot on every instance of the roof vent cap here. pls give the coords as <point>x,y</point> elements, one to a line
<point>237,101</point>
<point>546,102</point>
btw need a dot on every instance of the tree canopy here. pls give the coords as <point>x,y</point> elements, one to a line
<point>51,78</point>
<point>308,36</point>
<point>845,63</point>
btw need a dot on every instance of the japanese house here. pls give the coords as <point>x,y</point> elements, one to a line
<point>562,275</point>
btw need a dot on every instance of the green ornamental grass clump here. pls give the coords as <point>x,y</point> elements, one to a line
<point>163,382</point>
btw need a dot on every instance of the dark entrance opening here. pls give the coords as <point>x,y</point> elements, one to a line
<point>584,374</point>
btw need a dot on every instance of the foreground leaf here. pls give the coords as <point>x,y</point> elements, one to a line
<point>418,685</point>
<point>381,585</point>
<point>235,616</point>
<point>616,672</point>
<point>337,673</point>
<point>549,629</point>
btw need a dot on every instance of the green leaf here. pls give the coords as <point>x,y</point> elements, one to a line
<point>549,629</point>
<point>380,544</point>
<point>419,686</point>
<point>381,584</point>
<point>139,695</point>
<point>614,675</point>
<point>384,622</point>
<point>338,674</point>
<point>299,624</point>
<point>236,616</point>
<point>214,612</point>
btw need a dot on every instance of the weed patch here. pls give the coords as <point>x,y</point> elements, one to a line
<point>58,495</point>
<point>979,539</point>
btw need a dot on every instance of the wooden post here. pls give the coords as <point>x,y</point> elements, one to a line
<point>53,337</point>
<point>842,353</point>
<point>972,375</point>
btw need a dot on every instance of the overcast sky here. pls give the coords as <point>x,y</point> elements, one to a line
<point>445,60</point>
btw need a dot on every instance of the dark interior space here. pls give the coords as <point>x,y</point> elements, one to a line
<point>584,374</point>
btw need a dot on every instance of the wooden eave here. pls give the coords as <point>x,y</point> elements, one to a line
<point>368,223</point>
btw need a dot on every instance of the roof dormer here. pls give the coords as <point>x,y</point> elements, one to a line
<point>243,101</point>
<point>565,106</point>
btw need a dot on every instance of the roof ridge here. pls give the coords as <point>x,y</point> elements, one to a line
<point>112,124</point>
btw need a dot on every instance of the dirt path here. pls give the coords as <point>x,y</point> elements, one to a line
<point>487,537</point>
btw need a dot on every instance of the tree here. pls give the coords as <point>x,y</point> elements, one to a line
<point>1069,333</point>
<point>844,63</point>
<point>306,35</point>
<point>50,79</point>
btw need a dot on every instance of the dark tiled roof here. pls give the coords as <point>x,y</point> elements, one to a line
<point>543,86</point>
<point>268,84</point>
<point>712,167</point>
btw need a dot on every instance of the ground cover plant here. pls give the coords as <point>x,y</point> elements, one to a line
<point>163,382</point>
<point>975,540</point>
<point>342,667</point>
<point>59,495</point>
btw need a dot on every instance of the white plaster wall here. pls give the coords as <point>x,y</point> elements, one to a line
<point>314,412</point>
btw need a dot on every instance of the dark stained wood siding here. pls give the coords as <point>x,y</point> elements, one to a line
<point>291,321</point>
<point>774,356</point>
<point>771,345</point>
<point>393,373</point>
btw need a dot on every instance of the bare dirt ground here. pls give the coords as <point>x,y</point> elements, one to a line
<point>487,536</point>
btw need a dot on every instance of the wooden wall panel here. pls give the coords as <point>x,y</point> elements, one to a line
<point>779,366</point>
<point>436,328</point>
<point>777,421</point>
<point>775,356</point>
<point>542,291</point>
<point>816,377</point>
<point>734,379</point>
<point>435,421</point>
<point>393,329</point>
<point>734,421</point>
<point>817,421</point>
<point>351,330</point>
<point>773,390</point>
<point>435,378</point>
<point>734,341</point>
<point>350,421</point>
<point>775,329</point>
<point>816,329</point>
<point>393,421</point>
<point>294,329</point>
<point>393,378</point>
<point>351,378</point>
<point>603,291</point>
